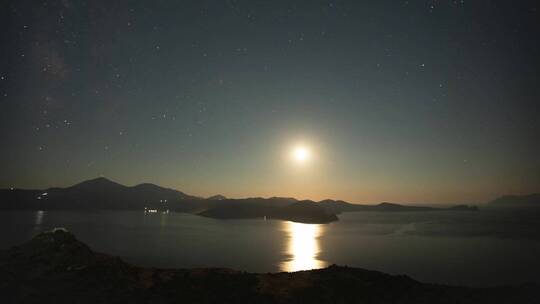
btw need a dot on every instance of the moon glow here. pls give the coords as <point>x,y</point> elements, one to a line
<point>301,154</point>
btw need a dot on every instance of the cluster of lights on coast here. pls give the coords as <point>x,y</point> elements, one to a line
<point>154,210</point>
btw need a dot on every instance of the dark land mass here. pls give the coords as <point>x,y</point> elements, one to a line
<point>517,201</point>
<point>217,197</point>
<point>298,211</point>
<point>54,267</point>
<point>95,194</point>
<point>103,194</point>
<point>342,206</point>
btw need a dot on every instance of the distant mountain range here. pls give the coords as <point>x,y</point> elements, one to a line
<point>99,193</point>
<point>104,194</point>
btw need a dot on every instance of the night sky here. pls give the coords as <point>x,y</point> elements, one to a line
<point>403,101</point>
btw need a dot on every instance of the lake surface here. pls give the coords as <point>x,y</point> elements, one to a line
<point>467,248</point>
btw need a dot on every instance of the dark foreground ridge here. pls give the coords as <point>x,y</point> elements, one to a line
<point>54,267</point>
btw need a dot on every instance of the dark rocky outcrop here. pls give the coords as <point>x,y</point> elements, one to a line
<point>55,267</point>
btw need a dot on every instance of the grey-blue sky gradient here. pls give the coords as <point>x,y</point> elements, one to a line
<point>406,101</point>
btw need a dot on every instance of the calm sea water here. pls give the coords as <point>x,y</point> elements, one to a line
<point>466,248</point>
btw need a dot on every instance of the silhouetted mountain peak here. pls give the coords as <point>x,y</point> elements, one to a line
<point>387,204</point>
<point>100,183</point>
<point>146,189</point>
<point>145,185</point>
<point>331,201</point>
<point>149,187</point>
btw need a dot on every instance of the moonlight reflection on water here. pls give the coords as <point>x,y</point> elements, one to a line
<point>302,247</point>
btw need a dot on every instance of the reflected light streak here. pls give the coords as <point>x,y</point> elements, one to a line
<point>39,217</point>
<point>302,247</point>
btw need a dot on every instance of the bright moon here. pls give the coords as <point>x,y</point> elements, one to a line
<point>300,154</point>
